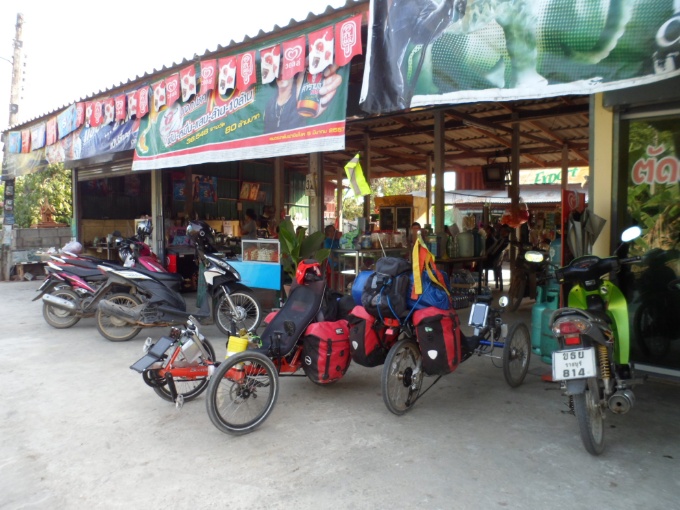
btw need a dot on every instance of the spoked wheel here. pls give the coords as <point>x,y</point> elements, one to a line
<point>518,284</point>
<point>189,389</point>
<point>402,377</point>
<point>242,392</point>
<point>590,416</point>
<point>246,314</point>
<point>115,329</point>
<point>516,354</point>
<point>57,317</point>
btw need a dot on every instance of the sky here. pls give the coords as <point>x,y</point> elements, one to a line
<point>75,48</point>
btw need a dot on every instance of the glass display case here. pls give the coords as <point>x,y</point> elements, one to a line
<point>261,250</point>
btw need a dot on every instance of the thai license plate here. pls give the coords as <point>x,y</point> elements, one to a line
<point>573,364</point>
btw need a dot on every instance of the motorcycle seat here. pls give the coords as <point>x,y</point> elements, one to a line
<point>86,273</point>
<point>170,280</point>
<point>595,316</point>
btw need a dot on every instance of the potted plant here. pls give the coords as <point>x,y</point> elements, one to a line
<point>296,246</point>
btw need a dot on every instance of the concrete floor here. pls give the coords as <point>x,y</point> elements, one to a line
<point>81,430</point>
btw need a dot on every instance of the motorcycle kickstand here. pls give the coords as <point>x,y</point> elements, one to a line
<point>177,399</point>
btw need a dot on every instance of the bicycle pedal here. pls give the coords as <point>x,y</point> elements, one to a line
<point>179,402</point>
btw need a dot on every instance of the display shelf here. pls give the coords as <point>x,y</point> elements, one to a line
<point>261,250</point>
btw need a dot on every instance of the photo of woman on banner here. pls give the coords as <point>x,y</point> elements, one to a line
<point>282,111</point>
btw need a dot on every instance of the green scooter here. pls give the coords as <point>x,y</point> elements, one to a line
<point>592,363</point>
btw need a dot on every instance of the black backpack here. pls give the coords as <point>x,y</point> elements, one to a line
<point>385,294</point>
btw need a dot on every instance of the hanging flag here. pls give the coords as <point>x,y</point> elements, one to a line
<point>66,121</point>
<point>51,131</point>
<point>15,142</point>
<point>132,100</point>
<point>320,50</point>
<point>120,107</point>
<point>293,57</point>
<point>227,78</point>
<point>142,102</point>
<point>80,114</point>
<point>355,174</point>
<point>208,75</point>
<point>38,136</point>
<point>97,115</point>
<point>26,140</point>
<point>158,94</point>
<point>187,77</point>
<point>109,111</point>
<point>172,89</point>
<point>347,40</point>
<point>270,60</point>
<point>246,76</point>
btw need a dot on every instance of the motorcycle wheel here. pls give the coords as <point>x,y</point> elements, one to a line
<point>590,416</point>
<point>188,388</point>
<point>246,315</point>
<point>516,354</point>
<point>651,330</point>
<point>242,392</point>
<point>58,318</point>
<point>115,329</point>
<point>518,284</point>
<point>400,387</point>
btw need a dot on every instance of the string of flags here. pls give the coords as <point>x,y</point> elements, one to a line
<point>335,44</point>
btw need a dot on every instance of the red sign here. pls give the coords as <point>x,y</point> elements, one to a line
<point>347,40</point>
<point>172,89</point>
<point>293,58</point>
<point>187,77</point>
<point>208,75</point>
<point>245,78</point>
<point>120,107</point>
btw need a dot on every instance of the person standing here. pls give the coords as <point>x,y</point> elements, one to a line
<point>249,226</point>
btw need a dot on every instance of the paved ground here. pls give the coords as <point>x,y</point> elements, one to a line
<point>81,430</point>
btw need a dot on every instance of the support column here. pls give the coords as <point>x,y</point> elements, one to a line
<point>278,188</point>
<point>316,204</point>
<point>428,189</point>
<point>366,166</point>
<point>439,164</point>
<point>338,199</point>
<point>513,190</point>
<point>157,241</point>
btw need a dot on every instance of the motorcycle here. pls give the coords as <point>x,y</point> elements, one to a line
<point>150,303</point>
<point>592,363</point>
<point>527,275</point>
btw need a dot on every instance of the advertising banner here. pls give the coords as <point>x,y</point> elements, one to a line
<point>300,115</point>
<point>428,52</point>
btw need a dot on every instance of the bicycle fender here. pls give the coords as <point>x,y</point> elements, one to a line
<point>576,386</point>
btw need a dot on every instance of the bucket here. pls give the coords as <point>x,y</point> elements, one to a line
<point>171,263</point>
<point>236,344</point>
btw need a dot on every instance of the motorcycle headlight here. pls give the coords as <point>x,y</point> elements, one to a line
<point>534,256</point>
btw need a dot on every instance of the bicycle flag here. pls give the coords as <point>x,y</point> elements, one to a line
<point>356,177</point>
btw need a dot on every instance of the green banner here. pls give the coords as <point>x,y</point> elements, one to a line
<point>302,115</point>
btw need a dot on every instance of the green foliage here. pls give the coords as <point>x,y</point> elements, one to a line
<point>353,207</point>
<point>30,191</point>
<point>297,247</point>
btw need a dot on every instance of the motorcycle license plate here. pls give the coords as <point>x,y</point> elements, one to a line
<point>573,364</point>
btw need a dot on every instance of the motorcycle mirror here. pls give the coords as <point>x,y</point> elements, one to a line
<point>503,301</point>
<point>533,256</point>
<point>630,234</point>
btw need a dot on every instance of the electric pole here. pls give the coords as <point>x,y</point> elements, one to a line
<point>6,261</point>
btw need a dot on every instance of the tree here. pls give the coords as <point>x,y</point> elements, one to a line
<point>30,190</point>
<point>352,207</point>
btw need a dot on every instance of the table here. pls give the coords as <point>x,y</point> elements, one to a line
<point>351,262</point>
<point>450,263</point>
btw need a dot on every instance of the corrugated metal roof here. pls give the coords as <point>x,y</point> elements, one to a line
<point>530,194</point>
<point>208,53</point>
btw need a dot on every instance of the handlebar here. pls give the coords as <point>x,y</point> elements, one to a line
<point>630,260</point>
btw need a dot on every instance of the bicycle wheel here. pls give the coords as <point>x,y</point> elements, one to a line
<point>518,284</point>
<point>115,329</point>
<point>57,317</point>
<point>516,354</point>
<point>246,314</point>
<point>590,416</point>
<point>188,388</point>
<point>402,376</point>
<point>242,392</point>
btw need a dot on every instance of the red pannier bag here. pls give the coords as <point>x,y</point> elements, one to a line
<point>326,355</point>
<point>367,338</point>
<point>438,333</point>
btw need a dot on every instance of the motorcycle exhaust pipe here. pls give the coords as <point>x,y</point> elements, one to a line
<point>621,402</point>
<point>131,315</point>
<point>57,302</point>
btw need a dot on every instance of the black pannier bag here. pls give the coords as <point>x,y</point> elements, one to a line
<point>386,292</point>
<point>368,342</point>
<point>438,333</point>
<point>326,354</point>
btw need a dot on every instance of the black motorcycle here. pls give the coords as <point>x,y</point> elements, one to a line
<point>532,268</point>
<point>150,303</point>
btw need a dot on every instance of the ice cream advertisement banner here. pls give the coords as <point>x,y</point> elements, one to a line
<point>428,52</point>
<point>287,116</point>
